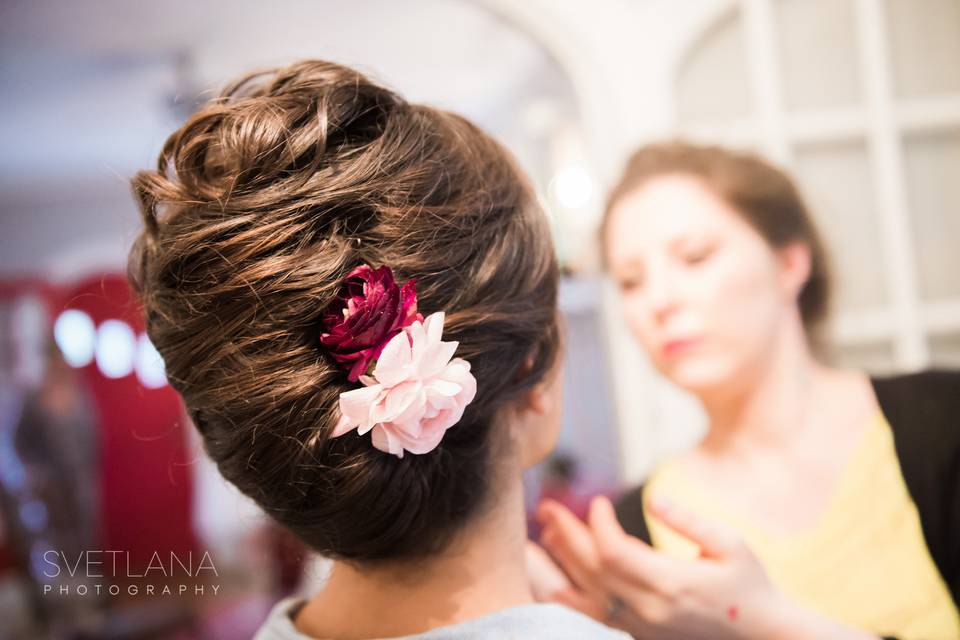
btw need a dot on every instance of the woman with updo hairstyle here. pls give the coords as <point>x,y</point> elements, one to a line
<point>355,297</point>
<point>821,502</point>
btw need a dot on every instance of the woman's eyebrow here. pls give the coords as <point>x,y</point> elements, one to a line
<point>688,237</point>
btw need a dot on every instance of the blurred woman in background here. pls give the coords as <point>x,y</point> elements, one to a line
<point>821,502</point>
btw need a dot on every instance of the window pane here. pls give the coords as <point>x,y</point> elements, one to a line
<point>818,51</point>
<point>945,350</point>
<point>713,83</point>
<point>925,46</point>
<point>589,428</point>
<point>872,358</point>
<point>838,187</point>
<point>932,166</point>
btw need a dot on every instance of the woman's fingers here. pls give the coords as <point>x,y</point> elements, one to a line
<point>715,540</point>
<point>591,605</point>
<point>570,543</point>
<point>625,558</point>
<point>546,578</point>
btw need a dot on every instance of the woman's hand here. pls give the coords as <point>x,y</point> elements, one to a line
<point>620,580</point>
<point>549,583</point>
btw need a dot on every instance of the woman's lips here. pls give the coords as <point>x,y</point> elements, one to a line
<point>674,348</point>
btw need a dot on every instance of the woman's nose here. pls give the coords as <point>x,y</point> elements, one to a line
<point>662,294</point>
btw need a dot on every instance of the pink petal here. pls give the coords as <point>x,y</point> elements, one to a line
<point>444,387</point>
<point>384,441</point>
<point>344,425</point>
<point>396,401</point>
<point>393,366</point>
<point>444,420</point>
<point>356,405</point>
<point>409,421</point>
<point>458,371</point>
<point>438,402</point>
<point>434,326</point>
<point>417,445</point>
<point>435,359</point>
<point>418,342</point>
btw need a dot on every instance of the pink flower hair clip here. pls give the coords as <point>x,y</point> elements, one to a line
<point>413,388</point>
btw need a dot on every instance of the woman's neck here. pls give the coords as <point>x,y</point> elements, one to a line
<point>482,572</point>
<point>769,405</point>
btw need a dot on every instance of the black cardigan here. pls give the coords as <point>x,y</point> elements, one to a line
<point>923,410</point>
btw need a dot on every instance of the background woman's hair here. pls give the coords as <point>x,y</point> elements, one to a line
<point>260,206</point>
<point>764,195</point>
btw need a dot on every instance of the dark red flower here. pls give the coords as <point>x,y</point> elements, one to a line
<point>369,310</point>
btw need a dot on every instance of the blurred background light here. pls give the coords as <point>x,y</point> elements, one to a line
<point>33,514</point>
<point>115,349</point>
<point>572,186</point>
<point>76,337</point>
<point>149,364</point>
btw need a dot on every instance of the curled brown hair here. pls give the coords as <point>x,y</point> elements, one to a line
<point>260,206</point>
<point>764,195</point>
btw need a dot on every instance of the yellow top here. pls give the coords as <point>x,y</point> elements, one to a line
<point>864,563</point>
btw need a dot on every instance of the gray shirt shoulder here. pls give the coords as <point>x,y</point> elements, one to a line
<point>529,622</point>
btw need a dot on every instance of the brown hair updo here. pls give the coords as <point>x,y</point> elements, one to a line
<point>260,206</point>
<point>764,195</point>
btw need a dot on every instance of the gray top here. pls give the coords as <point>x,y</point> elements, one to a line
<point>529,622</point>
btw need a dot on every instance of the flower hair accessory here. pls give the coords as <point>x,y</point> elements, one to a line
<point>369,310</point>
<point>413,388</point>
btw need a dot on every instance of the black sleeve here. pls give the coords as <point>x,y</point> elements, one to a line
<point>629,509</point>
<point>923,410</point>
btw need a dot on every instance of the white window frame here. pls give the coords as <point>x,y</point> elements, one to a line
<point>907,321</point>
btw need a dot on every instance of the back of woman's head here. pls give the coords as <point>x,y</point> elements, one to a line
<point>260,207</point>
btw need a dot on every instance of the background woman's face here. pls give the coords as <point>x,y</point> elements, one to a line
<point>701,289</point>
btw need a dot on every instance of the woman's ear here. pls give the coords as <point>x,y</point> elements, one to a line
<point>541,397</point>
<point>796,262</point>
<point>536,423</point>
